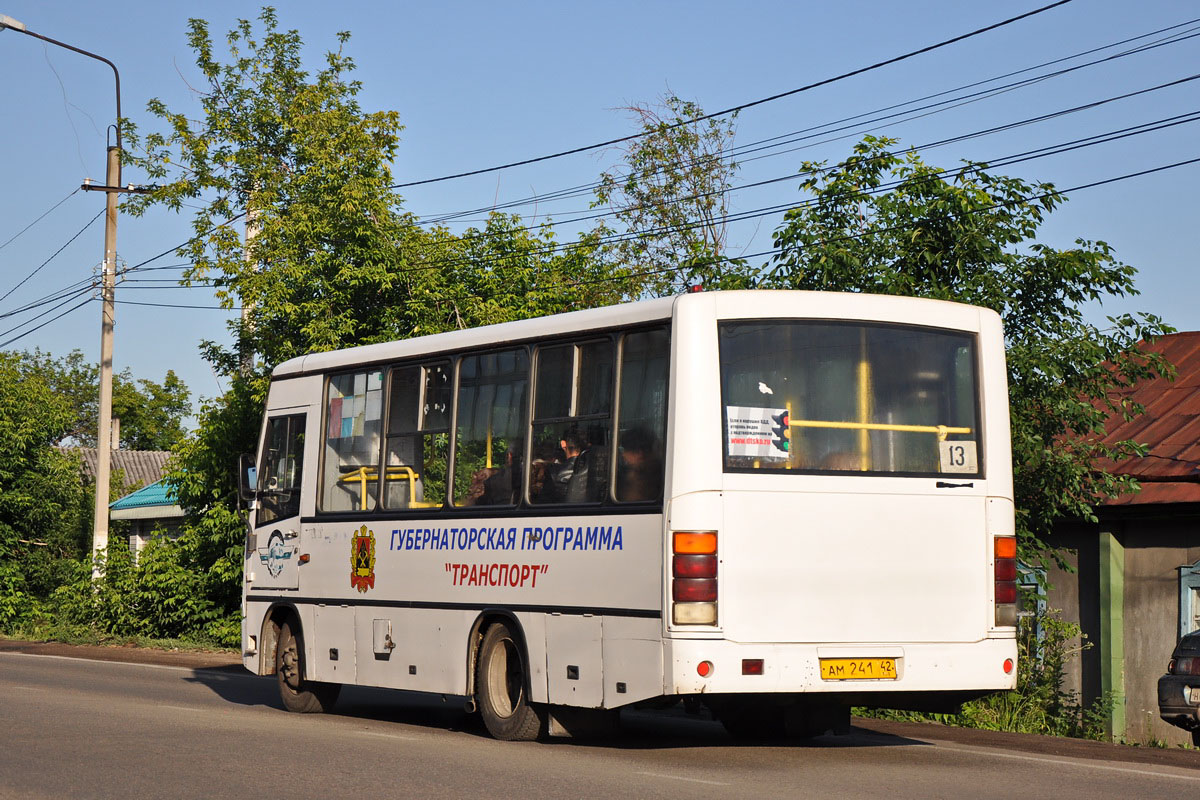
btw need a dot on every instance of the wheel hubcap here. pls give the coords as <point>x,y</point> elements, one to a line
<point>291,674</point>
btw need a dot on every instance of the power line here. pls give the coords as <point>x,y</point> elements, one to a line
<point>1010,159</point>
<point>51,258</point>
<point>177,247</point>
<point>743,106</point>
<point>778,251</point>
<point>918,148</point>
<point>894,228</point>
<point>86,300</point>
<point>177,305</point>
<point>51,298</point>
<point>767,210</point>
<point>774,142</point>
<point>45,214</point>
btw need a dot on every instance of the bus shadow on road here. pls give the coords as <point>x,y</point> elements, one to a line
<point>638,729</point>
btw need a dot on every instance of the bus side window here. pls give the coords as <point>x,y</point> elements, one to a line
<point>418,437</point>
<point>280,469</point>
<point>572,424</point>
<point>642,415</point>
<point>353,414</point>
<point>493,391</point>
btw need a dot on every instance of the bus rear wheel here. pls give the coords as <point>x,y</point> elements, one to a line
<point>502,688</point>
<point>299,694</point>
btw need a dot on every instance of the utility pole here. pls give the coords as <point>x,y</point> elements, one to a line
<point>108,289</point>
<point>108,284</point>
<point>247,352</point>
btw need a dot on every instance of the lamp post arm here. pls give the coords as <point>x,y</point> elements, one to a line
<point>83,52</point>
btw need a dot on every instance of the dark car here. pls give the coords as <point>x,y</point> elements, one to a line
<point>1179,689</point>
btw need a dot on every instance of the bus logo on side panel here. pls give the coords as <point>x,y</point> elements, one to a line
<point>275,554</point>
<point>362,560</point>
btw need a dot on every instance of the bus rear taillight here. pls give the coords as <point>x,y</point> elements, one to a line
<point>1006,580</point>
<point>694,578</point>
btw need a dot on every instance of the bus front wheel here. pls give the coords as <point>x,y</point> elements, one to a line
<point>502,688</point>
<point>298,693</point>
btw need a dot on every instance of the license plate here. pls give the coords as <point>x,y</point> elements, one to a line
<point>858,669</point>
<point>1193,694</point>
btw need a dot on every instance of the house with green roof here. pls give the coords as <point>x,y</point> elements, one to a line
<point>149,511</point>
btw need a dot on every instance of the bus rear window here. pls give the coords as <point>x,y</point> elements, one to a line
<point>830,397</point>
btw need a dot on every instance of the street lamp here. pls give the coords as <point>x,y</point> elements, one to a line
<point>108,281</point>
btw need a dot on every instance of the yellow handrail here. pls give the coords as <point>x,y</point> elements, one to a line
<point>365,475</point>
<point>942,431</point>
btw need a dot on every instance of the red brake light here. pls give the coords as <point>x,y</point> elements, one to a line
<point>1006,592</point>
<point>694,590</point>
<point>694,578</point>
<point>1005,574</point>
<point>752,666</point>
<point>1188,665</point>
<point>694,566</point>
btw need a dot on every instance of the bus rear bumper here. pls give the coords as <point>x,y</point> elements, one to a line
<point>960,668</point>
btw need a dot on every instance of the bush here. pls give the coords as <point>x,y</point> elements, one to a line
<point>1040,703</point>
<point>158,595</point>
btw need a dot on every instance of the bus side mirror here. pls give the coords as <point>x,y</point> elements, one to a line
<point>247,477</point>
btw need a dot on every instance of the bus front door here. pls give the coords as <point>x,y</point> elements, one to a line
<point>275,564</point>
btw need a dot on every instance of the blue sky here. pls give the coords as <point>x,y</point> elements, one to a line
<point>482,83</point>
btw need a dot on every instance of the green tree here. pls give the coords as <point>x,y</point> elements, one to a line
<point>886,222</point>
<point>40,490</point>
<point>296,155</point>
<point>151,413</point>
<point>333,262</point>
<point>670,199</point>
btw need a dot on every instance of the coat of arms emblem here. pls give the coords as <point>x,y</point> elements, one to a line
<point>362,560</point>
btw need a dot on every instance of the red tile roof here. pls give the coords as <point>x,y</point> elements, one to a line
<point>1170,472</point>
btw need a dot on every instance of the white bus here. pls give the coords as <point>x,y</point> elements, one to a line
<point>779,504</point>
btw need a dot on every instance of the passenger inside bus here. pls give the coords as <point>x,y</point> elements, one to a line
<point>640,470</point>
<point>567,481</point>
<point>499,487</point>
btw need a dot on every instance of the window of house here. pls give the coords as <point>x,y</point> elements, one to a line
<point>572,423</point>
<point>1031,594</point>
<point>353,418</point>
<point>418,436</point>
<point>1189,599</point>
<point>490,420</point>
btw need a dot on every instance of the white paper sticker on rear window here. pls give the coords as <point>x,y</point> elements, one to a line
<point>756,432</point>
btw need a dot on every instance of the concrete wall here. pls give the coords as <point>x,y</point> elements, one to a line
<point>1074,595</point>
<point>1154,548</point>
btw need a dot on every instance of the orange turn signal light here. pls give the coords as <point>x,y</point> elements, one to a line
<point>698,542</point>
<point>1006,547</point>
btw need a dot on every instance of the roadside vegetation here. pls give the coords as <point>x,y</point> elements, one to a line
<point>1041,703</point>
<point>335,260</point>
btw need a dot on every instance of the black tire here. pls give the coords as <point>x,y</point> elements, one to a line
<point>502,688</point>
<point>1196,737</point>
<point>299,694</point>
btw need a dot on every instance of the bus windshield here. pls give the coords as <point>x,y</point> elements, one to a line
<point>834,397</point>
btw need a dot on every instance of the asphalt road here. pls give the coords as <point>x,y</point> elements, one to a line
<point>82,729</point>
